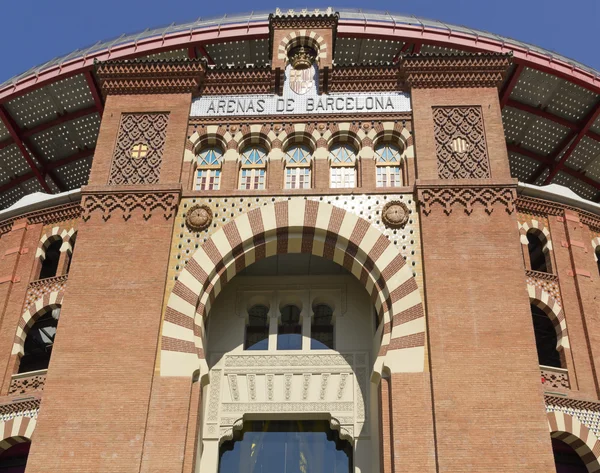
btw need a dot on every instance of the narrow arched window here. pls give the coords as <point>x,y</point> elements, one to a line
<point>253,171</point>
<point>208,173</point>
<point>289,331</point>
<point>343,166</point>
<point>321,329</point>
<point>39,342</point>
<point>598,258</point>
<point>389,171</point>
<point>537,253</point>
<point>70,252</point>
<point>51,259</point>
<point>546,339</point>
<point>257,328</point>
<point>297,167</point>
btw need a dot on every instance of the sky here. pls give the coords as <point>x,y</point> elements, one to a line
<point>34,31</point>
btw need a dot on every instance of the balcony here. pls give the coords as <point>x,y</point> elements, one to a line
<point>24,383</point>
<point>555,378</point>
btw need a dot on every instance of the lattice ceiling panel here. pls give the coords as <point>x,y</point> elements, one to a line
<point>535,88</point>
<point>66,139</point>
<point>175,54</point>
<point>580,188</point>
<point>240,53</point>
<point>540,180</point>
<point>50,182</point>
<point>4,134</point>
<point>366,51</point>
<point>571,101</point>
<point>584,153</point>
<point>433,49</point>
<point>596,126</point>
<point>543,136</point>
<point>11,196</point>
<point>45,104</point>
<point>516,124</point>
<point>522,167</point>
<point>32,185</point>
<point>75,174</point>
<point>12,159</point>
<point>592,169</point>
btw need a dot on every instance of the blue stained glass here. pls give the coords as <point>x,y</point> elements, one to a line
<point>387,153</point>
<point>210,157</point>
<point>298,154</point>
<point>343,153</point>
<point>254,155</point>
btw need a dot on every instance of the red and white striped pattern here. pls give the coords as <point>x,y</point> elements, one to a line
<point>571,431</point>
<point>296,226</point>
<point>16,430</point>
<point>49,301</point>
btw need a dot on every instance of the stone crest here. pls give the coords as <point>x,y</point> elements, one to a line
<point>395,214</point>
<point>198,218</point>
<point>302,80</point>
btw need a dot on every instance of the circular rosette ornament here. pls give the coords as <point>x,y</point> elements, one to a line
<point>395,214</point>
<point>198,218</point>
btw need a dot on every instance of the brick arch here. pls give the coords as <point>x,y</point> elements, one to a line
<point>543,233</point>
<point>296,226</point>
<point>56,233</point>
<point>302,37</point>
<point>571,431</point>
<point>49,301</point>
<point>553,310</point>
<point>16,430</point>
<point>595,244</point>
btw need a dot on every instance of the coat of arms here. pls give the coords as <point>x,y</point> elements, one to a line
<point>302,80</point>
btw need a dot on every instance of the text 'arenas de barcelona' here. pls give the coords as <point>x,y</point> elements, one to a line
<point>310,241</point>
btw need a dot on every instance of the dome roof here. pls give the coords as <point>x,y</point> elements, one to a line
<point>50,115</point>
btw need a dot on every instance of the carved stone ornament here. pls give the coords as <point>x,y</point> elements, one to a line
<point>395,214</point>
<point>198,218</point>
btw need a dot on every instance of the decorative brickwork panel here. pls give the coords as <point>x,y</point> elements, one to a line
<point>37,289</point>
<point>138,152</point>
<point>23,384</point>
<point>545,281</point>
<point>460,143</point>
<point>125,204</point>
<point>555,377</point>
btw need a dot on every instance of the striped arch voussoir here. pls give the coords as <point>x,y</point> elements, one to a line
<point>304,38</point>
<point>543,300</point>
<point>15,431</point>
<point>56,233</point>
<point>595,244</point>
<point>539,229</point>
<point>570,430</point>
<point>296,226</point>
<point>49,301</point>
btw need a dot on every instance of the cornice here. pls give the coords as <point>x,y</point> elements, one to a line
<point>292,19</point>
<point>150,76</point>
<point>238,81</point>
<point>569,402</point>
<point>434,71</point>
<point>329,118</point>
<point>365,78</point>
<point>47,216</point>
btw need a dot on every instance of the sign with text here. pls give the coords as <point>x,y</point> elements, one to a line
<point>249,105</point>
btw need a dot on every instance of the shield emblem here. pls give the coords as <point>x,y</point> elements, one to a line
<point>302,80</point>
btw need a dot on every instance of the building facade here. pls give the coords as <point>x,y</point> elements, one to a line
<point>305,267</point>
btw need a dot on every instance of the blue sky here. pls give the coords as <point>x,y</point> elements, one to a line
<point>34,31</point>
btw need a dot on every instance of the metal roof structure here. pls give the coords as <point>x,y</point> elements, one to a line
<point>50,115</point>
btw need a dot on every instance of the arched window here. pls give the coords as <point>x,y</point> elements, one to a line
<point>289,331</point>
<point>343,165</point>
<point>538,253</point>
<point>597,251</point>
<point>297,167</point>
<point>566,458</point>
<point>208,175</point>
<point>257,328</point>
<point>39,342</point>
<point>50,263</point>
<point>545,338</point>
<point>14,458</point>
<point>389,171</point>
<point>321,329</point>
<point>71,251</point>
<point>253,171</point>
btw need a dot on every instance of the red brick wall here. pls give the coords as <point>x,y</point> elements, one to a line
<point>99,386</point>
<point>488,407</point>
